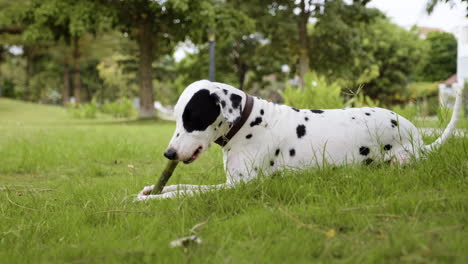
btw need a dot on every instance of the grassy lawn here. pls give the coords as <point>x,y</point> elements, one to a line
<point>67,188</point>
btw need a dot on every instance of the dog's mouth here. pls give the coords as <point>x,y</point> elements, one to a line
<point>195,155</point>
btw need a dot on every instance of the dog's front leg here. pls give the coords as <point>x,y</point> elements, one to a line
<point>179,189</point>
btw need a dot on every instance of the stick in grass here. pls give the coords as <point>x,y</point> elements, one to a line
<point>165,175</point>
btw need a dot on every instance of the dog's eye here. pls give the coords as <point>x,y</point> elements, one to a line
<point>200,112</point>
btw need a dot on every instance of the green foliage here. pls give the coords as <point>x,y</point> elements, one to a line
<point>84,111</point>
<point>396,52</point>
<point>431,4</point>
<point>409,112</point>
<point>422,89</point>
<point>336,48</point>
<point>118,81</point>
<point>441,59</point>
<point>12,77</point>
<point>122,108</point>
<point>361,46</point>
<point>44,86</point>
<point>359,99</point>
<point>350,45</point>
<point>170,90</point>
<point>315,94</point>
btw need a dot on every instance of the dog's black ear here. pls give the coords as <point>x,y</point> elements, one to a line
<point>229,103</point>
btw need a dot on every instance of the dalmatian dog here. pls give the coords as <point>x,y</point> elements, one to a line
<point>261,137</point>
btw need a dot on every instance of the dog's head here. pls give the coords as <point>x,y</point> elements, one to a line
<point>204,112</point>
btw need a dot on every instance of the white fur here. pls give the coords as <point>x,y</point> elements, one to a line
<point>332,137</point>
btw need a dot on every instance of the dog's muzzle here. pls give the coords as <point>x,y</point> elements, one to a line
<point>171,154</point>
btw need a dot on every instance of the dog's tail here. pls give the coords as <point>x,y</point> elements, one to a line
<point>451,125</point>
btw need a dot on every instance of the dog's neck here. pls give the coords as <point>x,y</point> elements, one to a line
<point>227,131</point>
<point>246,110</point>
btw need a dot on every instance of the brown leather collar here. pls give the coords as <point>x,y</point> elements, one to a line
<point>223,140</point>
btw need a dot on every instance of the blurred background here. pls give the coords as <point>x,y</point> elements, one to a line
<point>133,58</point>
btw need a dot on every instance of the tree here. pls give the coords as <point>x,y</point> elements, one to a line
<point>245,40</point>
<point>431,4</point>
<point>361,48</point>
<point>337,51</point>
<point>441,61</point>
<point>157,26</point>
<point>60,21</point>
<point>396,53</point>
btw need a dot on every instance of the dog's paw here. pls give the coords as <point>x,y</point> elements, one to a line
<point>146,190</point>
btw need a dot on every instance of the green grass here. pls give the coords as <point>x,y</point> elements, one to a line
<point>66,196</point>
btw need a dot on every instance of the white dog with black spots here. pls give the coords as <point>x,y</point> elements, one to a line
<point>275,137</point>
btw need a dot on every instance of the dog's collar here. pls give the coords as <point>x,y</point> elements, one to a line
<point>223,140</point>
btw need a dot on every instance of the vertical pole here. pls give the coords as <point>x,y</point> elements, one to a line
<point>212,43</point>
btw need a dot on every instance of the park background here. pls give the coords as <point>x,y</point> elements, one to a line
<point>80,134</point>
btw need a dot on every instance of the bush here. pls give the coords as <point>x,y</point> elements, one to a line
<point>122,108</point>
<point>316,93</point>
<point>84,111</point>
<point>408,111</point>
<point>359,99</point>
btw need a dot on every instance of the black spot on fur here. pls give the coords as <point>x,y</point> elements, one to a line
<point>230,110</point>
<point>306,118</point>
<point>394,123</point>
<point>262,112</point>
<point>367,114</point>
<point>177,135</point>
<point>392,113</point>
<point>373,110</point>
<point>387,147</point>
<point>225,91</point>
<point>255,169</point>
<point>292,152</point>
<point>248,136</point>
<point>235,100</point>
<point>220,123</point>
<point>272,163</point>
<point>215,96</point>
<point>223,103</point>
<point>256,122</point>
<point>368,161</point>
<point>364,151</point>
<point>240,175</point>
<point>353,118</point>
<point>300,131</point>
<point>295,109</point>
<point>316,111</point>
<point>200,112</point>
<point>277,152</point>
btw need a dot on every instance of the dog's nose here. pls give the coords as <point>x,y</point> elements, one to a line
<point>170,154</point>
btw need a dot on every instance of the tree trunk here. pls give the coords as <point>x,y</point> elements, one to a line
<point>241,76</point>
<point>76,71</point>
<point>303,42</point>
<point>240,67</point>
<point>66,84</point>
<point>145,45</point>
<point>29,54</point>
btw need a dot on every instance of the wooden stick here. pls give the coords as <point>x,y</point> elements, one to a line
<point>165,175</point>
